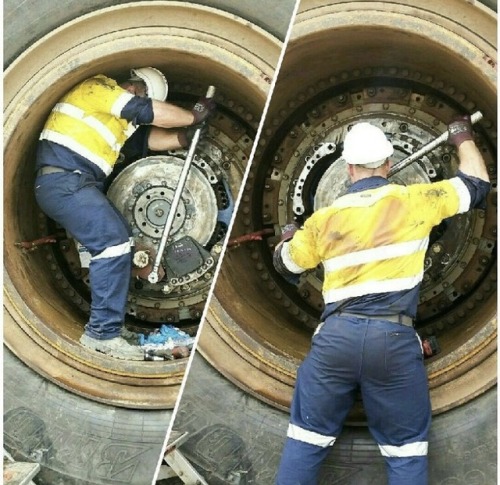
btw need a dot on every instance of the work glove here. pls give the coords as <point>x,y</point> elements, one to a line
<point>203,110</point>
<point>460,130</point>
<point>288,231</point>
<point>185,135</point>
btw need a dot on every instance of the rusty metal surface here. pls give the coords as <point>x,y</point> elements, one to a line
<point>17,473</point>
<point>407,66</point>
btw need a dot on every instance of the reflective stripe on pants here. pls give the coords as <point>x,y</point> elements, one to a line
<point>384,361</point>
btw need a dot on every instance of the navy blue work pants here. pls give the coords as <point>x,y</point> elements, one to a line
<point>384,361</point>
<point>77,202</point>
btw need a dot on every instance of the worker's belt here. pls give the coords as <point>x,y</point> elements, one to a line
<point>400,319</point>
<point>49,169</point>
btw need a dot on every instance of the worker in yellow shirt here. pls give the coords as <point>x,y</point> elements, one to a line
<point>78,148</point>
<point>371,243</point>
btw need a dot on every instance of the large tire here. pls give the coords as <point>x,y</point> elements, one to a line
<point>92,435</point>
<point>368,55</point>
<point>77,441</point>
<point>46,301</point>
<point>254,333</point>
<point>258,329</point>
<point>26,22</point>
<point>235,436</point>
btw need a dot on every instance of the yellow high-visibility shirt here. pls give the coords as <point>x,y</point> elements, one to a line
<point>87,120</point>
<point>374,241</point>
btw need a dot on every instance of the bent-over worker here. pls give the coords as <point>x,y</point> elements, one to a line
<point>78,148</point>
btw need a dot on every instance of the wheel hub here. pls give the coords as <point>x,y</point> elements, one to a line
<point>307,173</point>
<point>143,192</point>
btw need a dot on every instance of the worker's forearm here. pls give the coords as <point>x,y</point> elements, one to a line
<point>168,115</point>
<point>160,139</point>
<point>471,161</point>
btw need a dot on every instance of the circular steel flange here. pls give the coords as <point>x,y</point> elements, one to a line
<point>143,192</point>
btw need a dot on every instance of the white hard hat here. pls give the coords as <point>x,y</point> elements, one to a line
<point>366,144</point>
<point>156,82</point>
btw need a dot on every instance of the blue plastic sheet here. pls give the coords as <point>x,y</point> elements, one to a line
<point>167,336</point>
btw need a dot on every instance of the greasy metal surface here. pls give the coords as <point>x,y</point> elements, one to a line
<point>407,66</point>
<point>196,46</point>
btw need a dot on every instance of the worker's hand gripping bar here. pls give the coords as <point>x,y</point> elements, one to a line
<point>477,116</point>
<point>153,276</point>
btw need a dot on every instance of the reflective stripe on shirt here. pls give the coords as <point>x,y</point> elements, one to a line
<point>290,265</point>
<point>91,121</point>
<point>120,103</point>
<point>72,144</point>
<point>375,286</point>
<point>300,434</point>
<point>376,254</point>
<point>463,194</point>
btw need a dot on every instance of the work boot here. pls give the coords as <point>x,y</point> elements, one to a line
<point>116,347</point>
<point>129,336</point>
